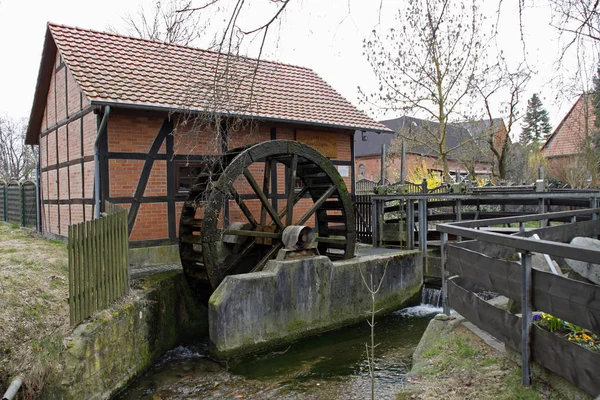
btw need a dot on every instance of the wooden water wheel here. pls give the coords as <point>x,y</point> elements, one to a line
<point>212,247</point>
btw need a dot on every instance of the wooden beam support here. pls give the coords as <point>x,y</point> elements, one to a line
<point>165,129</point>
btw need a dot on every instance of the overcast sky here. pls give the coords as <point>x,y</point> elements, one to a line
<point>326,36</point>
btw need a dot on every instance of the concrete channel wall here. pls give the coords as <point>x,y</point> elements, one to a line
<point>293,299</point>
<point>106,353</point>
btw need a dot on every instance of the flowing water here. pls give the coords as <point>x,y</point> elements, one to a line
<point>332,365</point>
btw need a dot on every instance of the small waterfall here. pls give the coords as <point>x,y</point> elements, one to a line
<point>431,297</point>
<point>431,303</point>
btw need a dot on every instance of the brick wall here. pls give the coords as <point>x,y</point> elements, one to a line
<point>134,132</point>
<point>67,131</point>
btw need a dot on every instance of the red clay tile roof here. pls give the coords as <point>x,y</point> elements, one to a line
<point>566,138</point>
<point>118,70</point>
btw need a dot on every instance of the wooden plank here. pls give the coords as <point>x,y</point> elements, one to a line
<point>86,272</point>
<point>124,263</point>
<point>573,301</point>
<point>103,265</point>
<point>71,280</point>
<point>319,141</point>
<point>496,275</point>
<point>498,323</point>
<point>489,249</point>
<point>569,360</point>
<point>564,233</point>
<point>80,271</point>
<point>114,234</point>
<point>97,265</point>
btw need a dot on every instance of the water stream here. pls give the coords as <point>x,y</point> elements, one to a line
<point>332,365</point>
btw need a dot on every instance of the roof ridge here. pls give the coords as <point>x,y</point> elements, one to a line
<point>118,35</point>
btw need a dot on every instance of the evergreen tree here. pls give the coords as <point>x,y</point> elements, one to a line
<point>536,124</point>
<point>596,101</point>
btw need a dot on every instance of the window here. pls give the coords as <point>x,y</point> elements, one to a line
<point>186,173</point>
<point>361,170</point>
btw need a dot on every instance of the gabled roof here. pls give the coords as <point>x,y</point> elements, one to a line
<point>566,138</point>
<point>480,127</point>
<point>372,145</point>
<point>123,71</point>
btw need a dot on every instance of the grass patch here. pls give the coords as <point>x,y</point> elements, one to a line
<point>33,312</point>
<point>460,365</point>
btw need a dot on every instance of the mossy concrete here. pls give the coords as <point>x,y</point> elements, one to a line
<point>297,298</point>
<point>154,256</point>
<point>103,355</point>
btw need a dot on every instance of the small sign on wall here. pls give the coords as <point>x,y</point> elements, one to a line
<point>344,170</point>
<point>324,142</point>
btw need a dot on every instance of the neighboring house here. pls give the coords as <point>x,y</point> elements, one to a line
<point>368,145</point>
<point>564,145</point>
<point>150,95</point>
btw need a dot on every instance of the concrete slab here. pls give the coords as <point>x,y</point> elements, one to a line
<point>296,298</point>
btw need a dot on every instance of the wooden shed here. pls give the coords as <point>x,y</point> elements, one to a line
<point>132,121</point>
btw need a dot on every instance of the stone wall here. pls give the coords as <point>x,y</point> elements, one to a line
<point>292,299</point>
<point>106,353</point>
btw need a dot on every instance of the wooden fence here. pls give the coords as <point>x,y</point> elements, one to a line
<point>18,204</point>
<point>98,252</point>
<point>481,265</point>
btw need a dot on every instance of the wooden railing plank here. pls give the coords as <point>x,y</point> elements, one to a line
<point>496,275</point>
<point>497,322</point>
<point>569,360</point>
<point>573,301</point>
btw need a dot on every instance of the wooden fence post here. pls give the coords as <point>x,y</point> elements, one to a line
<point>443,242</point>
<point>5,202</point>
<point>458,215</point>
<point>526,317</point>
<point>375,222</point>
<point>22,192</point>
<point>410,231</point>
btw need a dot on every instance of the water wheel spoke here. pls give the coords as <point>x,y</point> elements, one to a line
<point>263,198</point>
<point>266,186</point>
<point>297,198</point>
<point>291,190</point>
<point>244,232</point>
<point>261,264</point>
<point>243,207</point>
<point>317,204</point>
<point>239,256</point>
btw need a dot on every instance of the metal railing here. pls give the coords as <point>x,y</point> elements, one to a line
<point>483,263</point>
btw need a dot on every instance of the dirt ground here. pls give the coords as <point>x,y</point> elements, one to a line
<point>460,365</point>
<point>34,312</point>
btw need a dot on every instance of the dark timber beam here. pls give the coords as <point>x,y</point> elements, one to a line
<point>165,129</point>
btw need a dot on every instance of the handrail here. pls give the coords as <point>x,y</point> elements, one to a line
<point>465,229</point>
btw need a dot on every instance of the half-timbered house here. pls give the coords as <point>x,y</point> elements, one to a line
<point>131,121</point>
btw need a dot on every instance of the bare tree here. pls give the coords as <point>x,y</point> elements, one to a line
<point>471,154</point>
<point>428,66</point>
<point>499,82</point>
<point>581,18</point>
<point>17,161</point>
<point>162,22</point>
